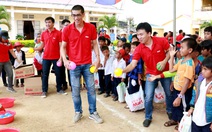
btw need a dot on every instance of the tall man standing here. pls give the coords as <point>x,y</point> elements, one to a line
<point>80,36</point>
<point>50,41</point>
<point>153,51</point>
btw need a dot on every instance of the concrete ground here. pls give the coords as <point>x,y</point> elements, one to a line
<point>55,113</point>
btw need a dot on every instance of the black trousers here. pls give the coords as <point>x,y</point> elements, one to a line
<point>108,83</point>
<point>101,80</point>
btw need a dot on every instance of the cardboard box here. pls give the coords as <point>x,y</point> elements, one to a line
<point>33,85</point>
<point>24,71</point>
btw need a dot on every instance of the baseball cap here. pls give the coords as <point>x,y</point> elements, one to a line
<point>4,34</point>
<point>122,52</point>
<point>123,39</point>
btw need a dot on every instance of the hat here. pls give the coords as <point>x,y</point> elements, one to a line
<point>4,34</point>
<point>123,32</point>
<point>123,39</point>
<point>18,44</point>
<point>122,52</point>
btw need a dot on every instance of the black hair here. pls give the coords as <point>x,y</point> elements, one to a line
<point>136,43</point>
<point>155,33</point>
<point>180,31</point>
<point>78,7</point>
<point>207,62</point>
<point>191,43</point>
<point>206,44</point>
<point>198,49</point>
<point>108,41</point>
<point>194,36</point>
<point>50,18</point>
<point>104,48</point>
<point>164,34</point>
<point>65,20</point>
<point>146,26</point>
<point>208,29</point>
<point>135,36</point>
<point>127,45</point>
<point>102,38</point>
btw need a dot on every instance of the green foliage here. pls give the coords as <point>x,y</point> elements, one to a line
<point>107,22</point>
<point>19,37</point>
<point>26,43</point>
<point>4,17</point>
<point>206,24</point>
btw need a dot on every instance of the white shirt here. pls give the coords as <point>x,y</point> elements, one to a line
<point>199,111</point>
<point>101,58</point>
<point>121,64</point>
<point>19,57</point>
<point>109,64</point>
<point>39,57</point>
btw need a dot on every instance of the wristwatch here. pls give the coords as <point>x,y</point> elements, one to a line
<point>180,96</point>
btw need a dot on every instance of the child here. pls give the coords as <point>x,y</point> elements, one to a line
<point>127,48</point>
<point>183,80</point>
<point>108,63</point>
<point>20,56</point>
<point>121,42</point>
<point>38,59</point>
<point>206,48</point>
<point>118,63</point>
<point>102,42</point>
<point>202,100</point>
<point>135,74</point>
<point>135,38</point>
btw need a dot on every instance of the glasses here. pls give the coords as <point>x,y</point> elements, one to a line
<point>76,15</point>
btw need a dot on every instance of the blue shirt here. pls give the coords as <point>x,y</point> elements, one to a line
<point>137,70</point>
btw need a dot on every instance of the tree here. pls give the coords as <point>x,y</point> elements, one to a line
<point>4,17</point>
<point>107,22</point>
<point>206,24</point>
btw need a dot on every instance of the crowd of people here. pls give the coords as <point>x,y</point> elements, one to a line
<point>144,58</point>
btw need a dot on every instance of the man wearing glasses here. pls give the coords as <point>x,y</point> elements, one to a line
<point>79,37</point>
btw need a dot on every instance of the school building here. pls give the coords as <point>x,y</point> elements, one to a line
<point>27,17</point>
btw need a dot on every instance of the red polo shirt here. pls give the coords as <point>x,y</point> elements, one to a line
<point>152,57</point>
<point>4,55</point>
<point>179,37</point>
<point>51,42</point>
<point>79,43</point>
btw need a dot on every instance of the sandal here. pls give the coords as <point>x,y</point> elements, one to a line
<point>170,123</point>
<point>176,127</point>
<point>126,107</point>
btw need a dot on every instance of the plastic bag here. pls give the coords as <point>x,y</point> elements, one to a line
<point>135,101</point>
<point>159,96</point>
<point>96,80</point>
<point>121,90</point>
<point>185,123</point>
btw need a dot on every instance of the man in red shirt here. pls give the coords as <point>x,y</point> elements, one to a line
<point>50,41</point>
<point>81,36</point>
<point>180,35</point>
<point>5,48</point>
<point>153,51</point>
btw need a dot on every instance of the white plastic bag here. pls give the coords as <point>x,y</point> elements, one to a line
<point>135,101</point>
<point>185,123</point>
<point>96,80</point>
<point>159,96</point>
<point>121,90</point>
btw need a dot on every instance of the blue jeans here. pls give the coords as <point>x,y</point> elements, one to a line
<point>149,92</point>
<point>45,75</point>
<point>83,70</point>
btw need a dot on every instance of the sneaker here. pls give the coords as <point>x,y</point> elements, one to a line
<point>115,98</point>
<point>62,92</point>
<point>43,95</point>
<point>100,92</point>
<point>11,90</point>
<point>106,95</point>
<point>146,122</point>
<point>95,116</point>
<point>77,116</point>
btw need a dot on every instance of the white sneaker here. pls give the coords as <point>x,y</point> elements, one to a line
<point>62,92</point>
<point>95,116</point>
<point>44,95</point>
<point>11,90</point>
<point>77,116</point>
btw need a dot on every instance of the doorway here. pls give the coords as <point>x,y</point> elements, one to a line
<point>28,30</point>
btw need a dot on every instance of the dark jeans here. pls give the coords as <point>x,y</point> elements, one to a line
<point>133,89</point>
<point>7,66</point>
<point>45,77</point>
<point>116,82</point>
<point>3,75</point>
<point>177,112</point>
<point>101,80</point>
<point>195,128</point>
<point>63,75</point>
<point>108,83</point>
